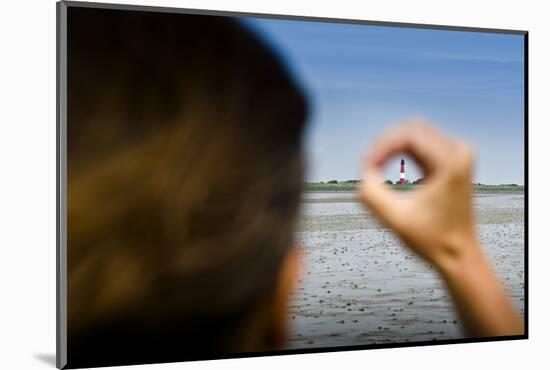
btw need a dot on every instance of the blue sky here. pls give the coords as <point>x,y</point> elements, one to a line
<point>362,79</point>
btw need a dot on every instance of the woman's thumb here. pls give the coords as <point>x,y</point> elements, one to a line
<point>378,197</point>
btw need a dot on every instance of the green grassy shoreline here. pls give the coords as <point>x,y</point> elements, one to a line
<point>346,186</point>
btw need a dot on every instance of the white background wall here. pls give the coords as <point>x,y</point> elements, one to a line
<point>27,182</point>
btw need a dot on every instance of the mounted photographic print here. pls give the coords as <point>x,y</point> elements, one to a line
<point>236,185</point>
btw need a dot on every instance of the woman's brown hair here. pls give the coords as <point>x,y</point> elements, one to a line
<point>184,177</point>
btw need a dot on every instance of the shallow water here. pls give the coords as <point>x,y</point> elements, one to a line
<point>360,285</point>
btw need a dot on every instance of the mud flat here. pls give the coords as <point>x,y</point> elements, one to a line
<point>360,285</point>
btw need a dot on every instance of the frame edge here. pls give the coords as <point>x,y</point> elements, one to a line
<point>61,181</point>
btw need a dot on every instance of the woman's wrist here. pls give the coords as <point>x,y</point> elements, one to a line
<point>478,294</point>
<point>464,256</point>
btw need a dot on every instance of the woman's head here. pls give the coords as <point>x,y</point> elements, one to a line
<point>184,176</point>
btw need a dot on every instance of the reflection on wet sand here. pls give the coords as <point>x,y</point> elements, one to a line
<point>360,285</point>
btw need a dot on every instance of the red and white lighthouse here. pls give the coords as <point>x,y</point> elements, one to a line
<point>402,175</point>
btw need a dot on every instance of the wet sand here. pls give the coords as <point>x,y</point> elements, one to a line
<point>360,285</point>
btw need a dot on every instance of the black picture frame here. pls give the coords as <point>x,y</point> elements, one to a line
<point>61,174</point>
